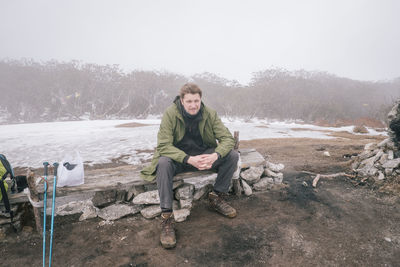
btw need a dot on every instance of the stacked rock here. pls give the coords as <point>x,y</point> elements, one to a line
<point>382,160</point>
<point>377,161</point>
<point>185,192</point>
<point>261,177</point>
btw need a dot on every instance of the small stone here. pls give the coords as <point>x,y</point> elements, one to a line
<point>388,239</point>
<point>250,158</point>
<point>381,176</point>
<point>181,215</point>
<point>327,154</point>
<point>199,193</point>
<point>370,146</point>
<point>367,163</point>
<point>252,174</point>
<point>274,167</point>
<point>120,196</point>
<point>89,212</point>
<point>264,184</point>
<point>394,163</point>
<point>185,192</point>
<point>367,171</point>
<point>185,203</point>
<point>391,145</point>
<point>117,211</point>
<point>246,188</point>
<point>384,158</point>
<point>270,173</point>
<point>279,178</point>
<point>383,143</point>
<point>355,165</point>
<point>372,172</point>
<point>104,198</point>
<point>305,184</point>
<point>134,191</point>
<point>70,208</point>
<point>366,154</point>
<point>367,168</point>
<point>388,171</point>
<point>378,155</point>
<point>390,155</point>
<point>150,197</point>
<point>177,184</point>
<point>151,211</point>
<point>236,187</point>
<point>102,223</point>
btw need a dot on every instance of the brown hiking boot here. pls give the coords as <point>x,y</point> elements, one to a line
<point>219,204</point>
<point>167,236</point>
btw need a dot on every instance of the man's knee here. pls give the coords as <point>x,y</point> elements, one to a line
<point>233,156</point>
<point>165,163</point>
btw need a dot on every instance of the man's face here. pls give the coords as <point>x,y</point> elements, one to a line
<point>191,103</point>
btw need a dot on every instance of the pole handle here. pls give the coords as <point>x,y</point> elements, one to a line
<point>55,164</point>
<point>45,165</point>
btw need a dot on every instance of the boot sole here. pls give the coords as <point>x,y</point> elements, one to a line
<point>168,246</point>
<point>231,216</point>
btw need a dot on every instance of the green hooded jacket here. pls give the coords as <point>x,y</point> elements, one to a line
<point>172,130</point>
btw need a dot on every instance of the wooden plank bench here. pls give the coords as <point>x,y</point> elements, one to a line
<point>122,177</point>
<point>100,180</point>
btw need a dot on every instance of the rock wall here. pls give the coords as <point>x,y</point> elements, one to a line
<point>144,199</point>
<point>394,126</point>
<point>381,161</point>
<point>377,161</point>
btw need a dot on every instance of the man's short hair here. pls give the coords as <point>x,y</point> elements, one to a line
<point>189,88</point>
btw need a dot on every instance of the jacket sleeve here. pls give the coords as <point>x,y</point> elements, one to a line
<point>165,139</point>
<point>226,142</point>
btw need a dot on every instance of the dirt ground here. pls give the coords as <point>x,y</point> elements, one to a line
<point>339,223</point>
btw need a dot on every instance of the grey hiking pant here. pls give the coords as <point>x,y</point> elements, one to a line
<point>167,168</point>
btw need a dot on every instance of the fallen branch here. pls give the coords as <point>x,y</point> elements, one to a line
<point>316,179</point>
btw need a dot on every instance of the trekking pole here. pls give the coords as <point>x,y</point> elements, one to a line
<point>45,164</point>
<point>55,164</point>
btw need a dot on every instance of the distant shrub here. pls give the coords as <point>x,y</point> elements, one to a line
<point>370,122</point>
<point>360,129</point>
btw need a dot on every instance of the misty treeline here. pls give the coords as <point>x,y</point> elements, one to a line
<point>50,91</point>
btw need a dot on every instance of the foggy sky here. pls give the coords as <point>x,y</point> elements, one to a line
<point>359,39</point>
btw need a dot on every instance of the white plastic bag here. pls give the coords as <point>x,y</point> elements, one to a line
<point>70,171</point>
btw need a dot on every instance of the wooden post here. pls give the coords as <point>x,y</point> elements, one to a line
<point>35,197</point>
<point>236,136</point>
<point>237,188</point>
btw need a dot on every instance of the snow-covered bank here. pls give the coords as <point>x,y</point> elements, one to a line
<point>100,141</point>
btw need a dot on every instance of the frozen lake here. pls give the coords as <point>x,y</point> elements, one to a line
<point>100,141</point>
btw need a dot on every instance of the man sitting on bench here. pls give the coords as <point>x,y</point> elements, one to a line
<point>187,141</point>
